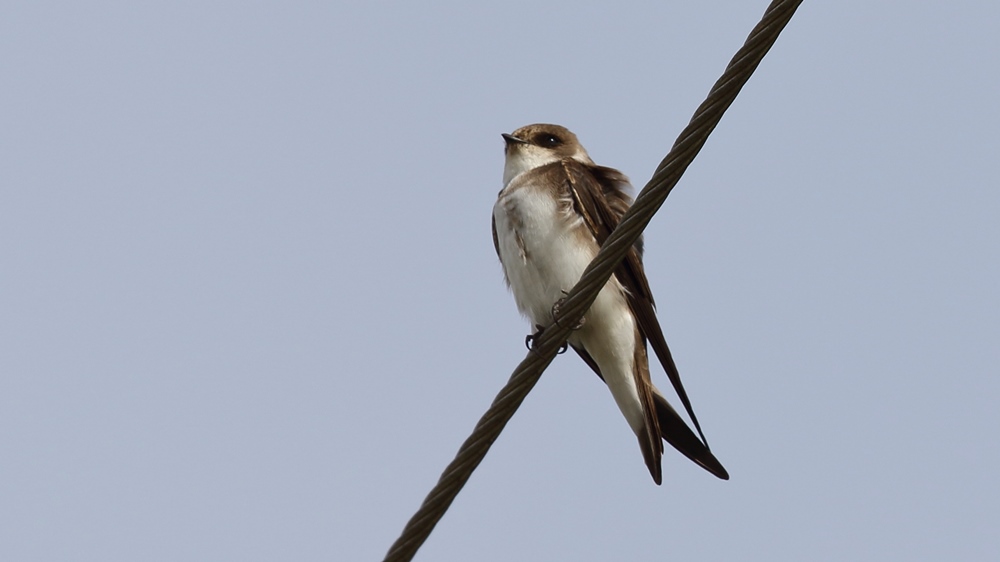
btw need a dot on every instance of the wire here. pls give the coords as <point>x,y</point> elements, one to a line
<point>579,300</point>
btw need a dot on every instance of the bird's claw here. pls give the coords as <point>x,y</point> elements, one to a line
<point>529,340</point>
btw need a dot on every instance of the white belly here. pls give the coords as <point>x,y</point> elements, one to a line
<point>544,254</point>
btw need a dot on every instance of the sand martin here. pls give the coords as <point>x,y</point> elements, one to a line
<point>555,210</point>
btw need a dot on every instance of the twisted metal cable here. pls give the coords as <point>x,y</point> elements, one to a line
<point>579,300</point>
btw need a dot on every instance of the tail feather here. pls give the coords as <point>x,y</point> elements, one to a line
<point>679,435</point>
<point>672,429</point>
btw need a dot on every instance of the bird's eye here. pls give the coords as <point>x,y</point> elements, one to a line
<point>548,140</point>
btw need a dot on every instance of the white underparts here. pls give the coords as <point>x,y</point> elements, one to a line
<point>545,247</point>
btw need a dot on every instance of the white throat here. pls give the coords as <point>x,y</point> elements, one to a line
<point>528,157</point>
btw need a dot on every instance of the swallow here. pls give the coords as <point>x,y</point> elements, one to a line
<point>556,209</point>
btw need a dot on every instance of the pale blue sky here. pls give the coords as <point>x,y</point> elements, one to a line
<point>251,306</point>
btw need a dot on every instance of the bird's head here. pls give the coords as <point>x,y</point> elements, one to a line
<point>536,145</point>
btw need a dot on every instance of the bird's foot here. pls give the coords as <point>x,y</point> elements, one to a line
<point>557,312</point>
<point>530,339</point>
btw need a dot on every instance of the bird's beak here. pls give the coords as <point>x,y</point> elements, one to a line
<point>511,139</point>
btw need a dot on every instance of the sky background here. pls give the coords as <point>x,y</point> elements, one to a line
<point>251,308</point>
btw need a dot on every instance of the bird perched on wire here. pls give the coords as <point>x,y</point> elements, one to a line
<point>553,214</point>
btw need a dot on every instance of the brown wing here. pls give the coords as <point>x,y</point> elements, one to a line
<point>601,199</point>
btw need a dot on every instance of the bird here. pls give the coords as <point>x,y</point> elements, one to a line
<point>556,209</point>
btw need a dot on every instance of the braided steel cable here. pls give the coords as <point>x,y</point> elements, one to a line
<point>582,296</point>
